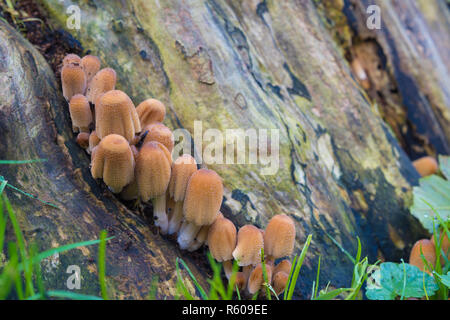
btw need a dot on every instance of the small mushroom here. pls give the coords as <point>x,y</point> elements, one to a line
<point>94,140</point>
<point>360,73</point>
<point>83,140</point>
<point>103,81</point>
<point>283,266</point>
<point>249,244</point>
<point>71,58</point>
<point>162,134</point>
<point>113,161</point>
<point>80,113</point>
<point>200,239</point>
<point>201,205</point>
<point>429,253</point>
<point>152,176</point>
<point>222,241</point>
<point>182,170</point>
<point>151,111</point>
<point>115,113</point>
<point>279,237</point>
<point>73,80</point>
<point>241,281</point>
<point>91,65</point>
<point>426,166</point>
<point>279,281</point>
<point>256,279</point>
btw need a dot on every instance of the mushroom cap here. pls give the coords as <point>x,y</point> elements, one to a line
<point>283,266</point>
<point>103,81</point>
<point>162,134</point>
<point>130,191</point>
<point>182,170</point>
<point>426,166</point>
<point>279,281</point>
<point>115,113</point>
<point>71,58</point>
<point>222,239</point>
<point>91,65</point>
<point>279,236</point>
<point>249,244</point>
<point>83,140</point>
<point>170,206</point>
<point>80,111</point>
<point>151,111</point>
<point>113,161</point>
<point>429,252</point>
<point>94,140</point>
<point>256,279</point>
<point>152,171</point>
<point>203,198</point>
<point>73,80</point>
<point>241,280</point>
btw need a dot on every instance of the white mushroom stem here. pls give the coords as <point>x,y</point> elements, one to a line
<point>200,239</point>
<point>177,218</point>
<point>228,268</point>
<point>159,212</point>
<point>187,234</point>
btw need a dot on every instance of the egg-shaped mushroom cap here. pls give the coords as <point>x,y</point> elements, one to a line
<point>203,197</point>
<point>426,166</point>
<point>73,80</point>
<point>182,170</point>
<point>83,140</point>
<point>152,171</point>
<point>162,134</point>
<point>429,252</point>
<point>256,278</point>
<point>249,244</point>
<point>103,81</point>
<point>279,236</point>
<point>80,111</point>
<point>71,58</point>
<point>115,113</point>
<point>151,111</point>
<point>241,281</point>
<point>91,65</point>
<point>113,161</point>
<point>222,239</point>
<point>94,140</point>
<point>283,266</point>
<point>279,281</point>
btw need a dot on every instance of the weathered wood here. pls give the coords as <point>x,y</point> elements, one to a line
<point>233,64</point>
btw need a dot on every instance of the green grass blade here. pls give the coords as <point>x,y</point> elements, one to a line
<point>197,285</point>
<point>290,277</point>
<point>298,266</point>
<point>316,287</point>
<point>180,282</point>
<point>264,271</point>
<point>21,161</point>
<point>64,295</point>
<point>341,248</point>
<point>102,264</point>
<point>332,294</point>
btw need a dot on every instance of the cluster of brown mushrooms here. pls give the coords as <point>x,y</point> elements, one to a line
<point>131,150</point>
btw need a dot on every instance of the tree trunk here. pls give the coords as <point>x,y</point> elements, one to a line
<point>230,64</point>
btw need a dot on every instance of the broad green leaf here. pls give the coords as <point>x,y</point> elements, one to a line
<point>445,279</point>
<point>444,165</point>
<point>402,279</point>
<point>435,192</point>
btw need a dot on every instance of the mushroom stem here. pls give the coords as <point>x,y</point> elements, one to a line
<point>159,211</point>
<point>228,268</point>
<point>177,218</point>
<point>187,234</point>
<point>200,239</point>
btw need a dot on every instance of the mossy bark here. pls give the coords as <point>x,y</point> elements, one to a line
<point>234,64</point>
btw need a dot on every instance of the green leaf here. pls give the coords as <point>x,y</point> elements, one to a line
<point>445,279</point>
<point>433,192</point>
<point>444,166</point>
<point>402,279</point>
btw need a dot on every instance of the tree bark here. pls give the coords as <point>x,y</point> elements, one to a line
<point>234,64</point>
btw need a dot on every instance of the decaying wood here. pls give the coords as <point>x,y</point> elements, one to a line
<point>230,64</point>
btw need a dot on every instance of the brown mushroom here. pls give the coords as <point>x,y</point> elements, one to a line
<point>241,281</point>
<point>222,241</point>
<point>153,175</point>
<point>103,81</point>
<point>249,244</point>
<point>91,65</point>
<point>73,80</point>
<point>279,237</point>
<point>159,132</point>
<point>83,140</point>
<point>80,113</point>
<point>256,279</point>
<point>200,239</point>
<point>426,166</point>
<point>201,205</point>
<point>280,280</point>
<point>94,140</point>
<point>283,266</point>
<point>151,111</point>
<point>429,253</point>
<point>182,170</point>
<point>115,113</point>
<point>71,58</point>
<point>113,161</point>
